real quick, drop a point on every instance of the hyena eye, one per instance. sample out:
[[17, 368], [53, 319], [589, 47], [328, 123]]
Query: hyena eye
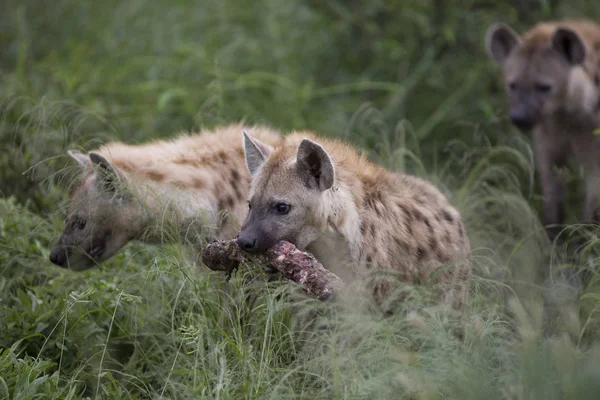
[[249, 206], [282, 208], [542, 87], [78, 223]]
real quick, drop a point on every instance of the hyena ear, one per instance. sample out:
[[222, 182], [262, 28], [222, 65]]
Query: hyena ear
[[256, 153], [569, 45], [314, 160], [109, 174], [500, 40], [81, 158]]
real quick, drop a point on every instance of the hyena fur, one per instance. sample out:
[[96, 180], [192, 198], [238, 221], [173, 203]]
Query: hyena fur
[[194, 186], [552, 76], [356, 217]]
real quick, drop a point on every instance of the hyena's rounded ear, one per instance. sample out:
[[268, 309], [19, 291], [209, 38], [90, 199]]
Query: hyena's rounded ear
[[500, 41], [255, 152], [81, 158], [314, 162], [569, 45], [109, 174]]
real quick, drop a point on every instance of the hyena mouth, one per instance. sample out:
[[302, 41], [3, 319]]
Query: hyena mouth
[[96, 252]]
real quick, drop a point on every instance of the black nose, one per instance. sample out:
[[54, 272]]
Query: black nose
[[522, 122], [247, 244], [57, 257]]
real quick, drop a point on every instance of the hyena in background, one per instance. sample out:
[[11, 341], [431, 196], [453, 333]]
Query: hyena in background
[[552, 77], [197, 183], [319, 195]]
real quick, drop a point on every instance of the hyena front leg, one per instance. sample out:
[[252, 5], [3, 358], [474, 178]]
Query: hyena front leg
[[550, 155]]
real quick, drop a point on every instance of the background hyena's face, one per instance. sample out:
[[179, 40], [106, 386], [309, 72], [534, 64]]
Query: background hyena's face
[[536, 72], [286, 195], [99, 221]]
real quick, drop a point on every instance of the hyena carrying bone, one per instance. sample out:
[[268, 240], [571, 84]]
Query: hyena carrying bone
[[552, 78], [319, 193], [197, 184]]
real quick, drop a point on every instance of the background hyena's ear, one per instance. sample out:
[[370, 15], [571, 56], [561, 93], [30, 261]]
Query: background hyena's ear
[[569, 45], [314, 160], [109, 174], [81, 158], [500, 40], [256, 153]]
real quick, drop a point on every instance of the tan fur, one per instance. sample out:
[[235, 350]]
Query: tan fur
[[566, 117], [198, 183], [382, 220]]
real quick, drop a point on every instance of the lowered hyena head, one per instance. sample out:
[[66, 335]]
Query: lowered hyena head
[[102, 216], [287, 190], [547, 70]]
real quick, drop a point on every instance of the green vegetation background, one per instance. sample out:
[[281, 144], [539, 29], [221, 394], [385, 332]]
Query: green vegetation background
[[406, 81]]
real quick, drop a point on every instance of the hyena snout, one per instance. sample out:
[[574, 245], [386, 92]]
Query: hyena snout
[[523, 120], [58, 256], [254, 241], [248, 241]]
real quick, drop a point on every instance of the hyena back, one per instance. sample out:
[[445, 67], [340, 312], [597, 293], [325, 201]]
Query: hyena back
[[318, 193], [552, 77], [196, 185]]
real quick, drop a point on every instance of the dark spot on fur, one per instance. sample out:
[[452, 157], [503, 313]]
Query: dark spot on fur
[[226, 202], [155, 176], [420, 253], [198, 183], [363, 227], [426, 221], [402, 247], [182, 161], [433, 243], [372, 230], [461, 230], [448, 237], [447, 216], [230, 201], [378, 211], [406, 211], [369, 261], [408, 226], [235, 175], [419, 215]]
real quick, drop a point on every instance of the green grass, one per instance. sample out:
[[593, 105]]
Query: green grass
[[406, 82]]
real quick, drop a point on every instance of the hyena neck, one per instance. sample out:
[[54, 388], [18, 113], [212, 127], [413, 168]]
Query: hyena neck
[[169, 214], [339, 214], [562, 123]]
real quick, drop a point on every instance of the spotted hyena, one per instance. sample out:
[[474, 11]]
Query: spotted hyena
[[194, 186], [353, 215], [552, 77]]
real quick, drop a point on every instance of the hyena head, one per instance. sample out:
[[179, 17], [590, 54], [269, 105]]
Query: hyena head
[[101, 216], [287, 188], [536, 69]]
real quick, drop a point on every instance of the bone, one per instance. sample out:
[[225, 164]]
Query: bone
[[297, 266]]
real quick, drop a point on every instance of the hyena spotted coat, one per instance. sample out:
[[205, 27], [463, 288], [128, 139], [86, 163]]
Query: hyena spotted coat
[[196, 185], [353, 215], [552, 77]]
